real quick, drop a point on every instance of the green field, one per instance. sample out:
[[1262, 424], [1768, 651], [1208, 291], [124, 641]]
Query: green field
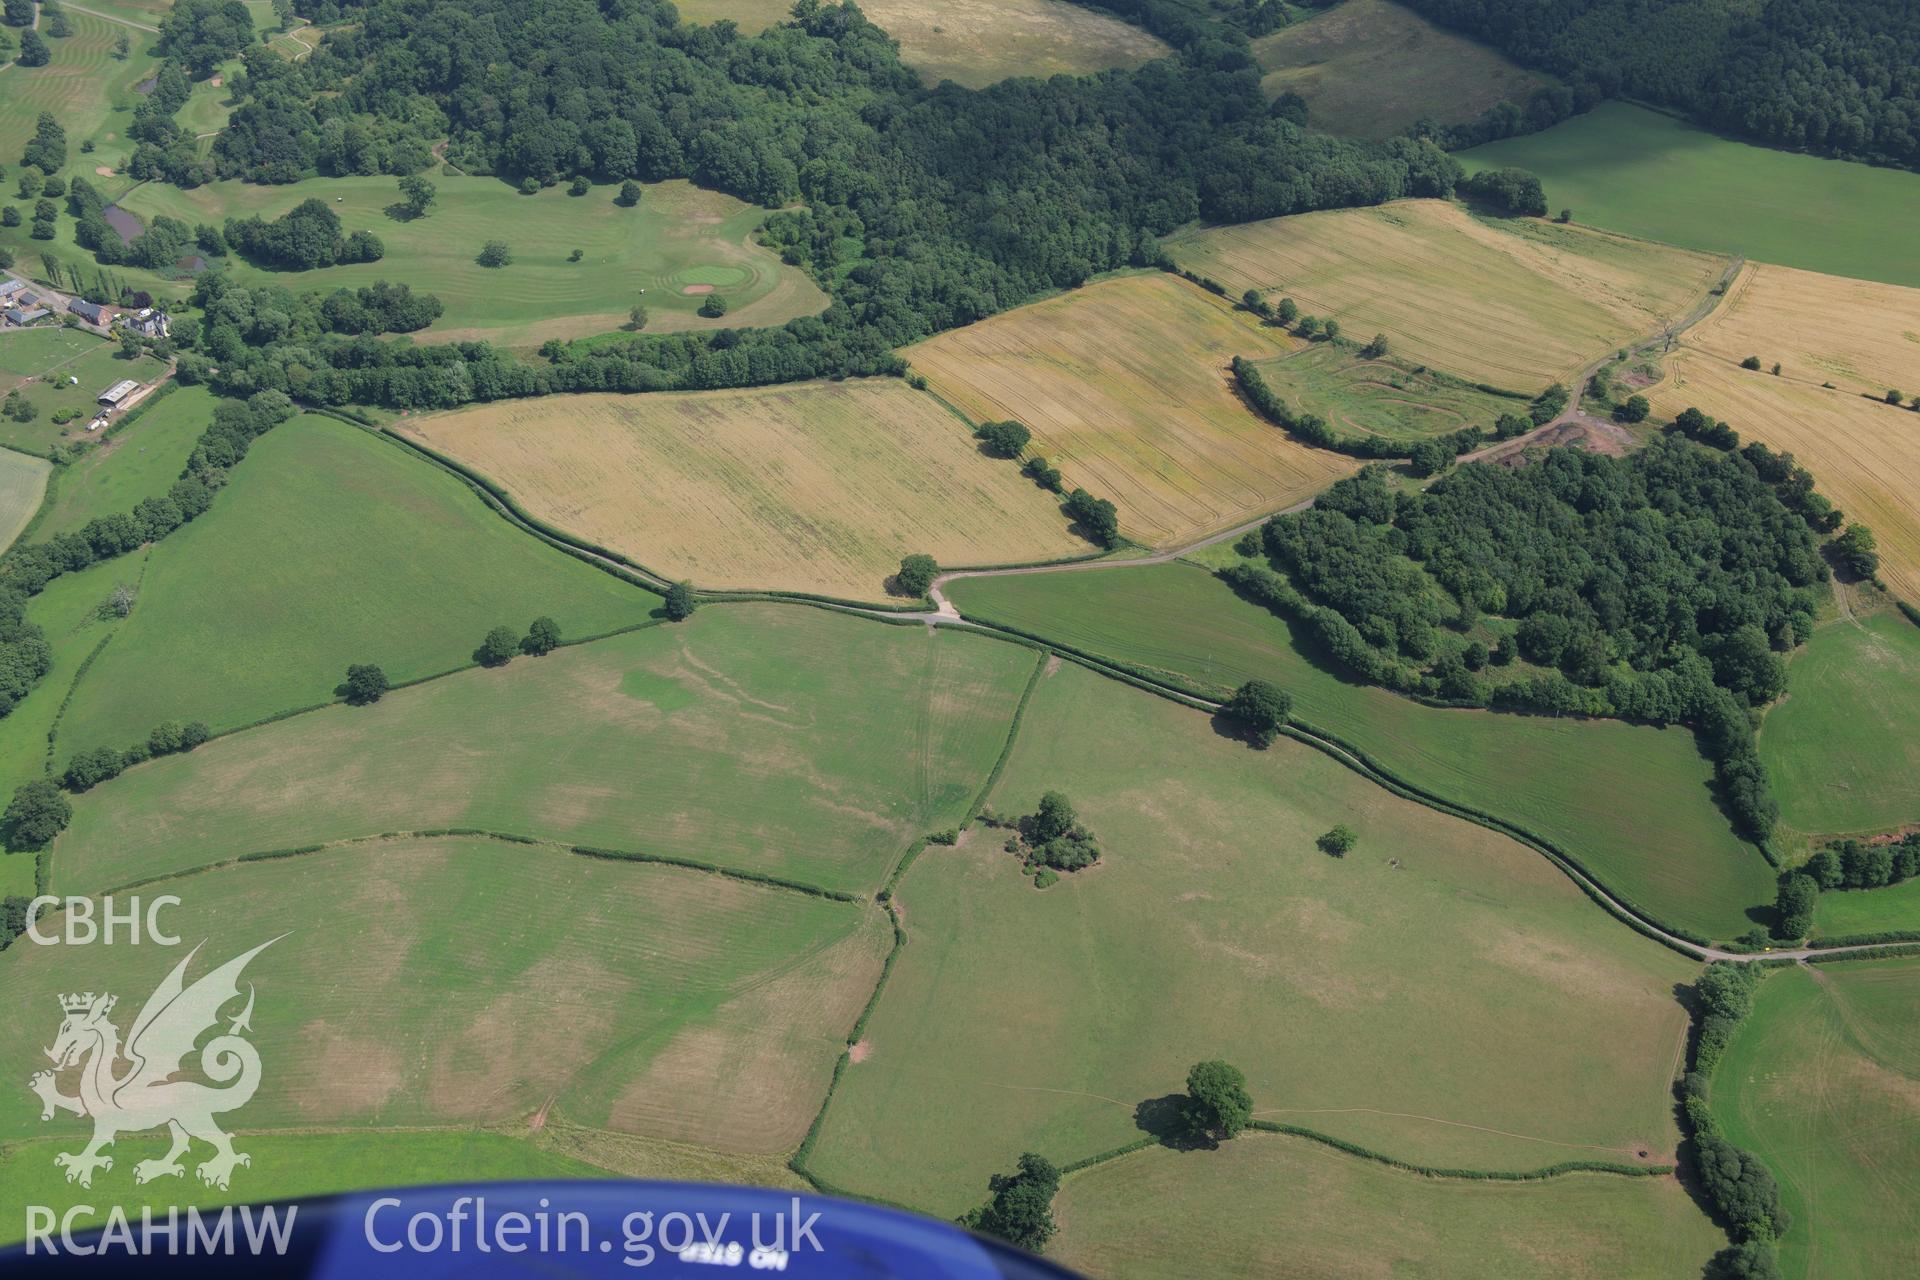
[[23, 482], [1378, 397], [1822, 1082], [1847, 913], [329, 546], [678, 237], [1631, 803], [1214, 927], [1842, 747], [50, 355], [1632, 170], [87, 89], [788, 741], [143, 461], [473, 982], [1264, 1205]]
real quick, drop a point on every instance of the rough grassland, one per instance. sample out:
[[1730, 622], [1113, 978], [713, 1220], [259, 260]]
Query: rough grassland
[[974, 42], [51, 356], [474, 982], [1822, 1082], [1378, 397], [791, 742], [1636, 171], [1126, 387], [141, 462], [1264, 1205], [1372, 69], [678, 232], [1841, 748], [1633, 804], [328, 547], [1214, 927], [23, 482], [820, 487], [1864, 455], [1516, 303]]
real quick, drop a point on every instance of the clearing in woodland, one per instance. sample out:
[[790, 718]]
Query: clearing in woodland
[[818, 487], [785, 741], [1380, 397], [1162, 1214], [1125, 384], [1670, 851], [465, 981], [1822, 1083], [1213, 927], [974, 42], [1374, 69], [1517, 303]]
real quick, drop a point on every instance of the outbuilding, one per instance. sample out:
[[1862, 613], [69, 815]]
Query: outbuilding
[[119, 391], [91, 312]]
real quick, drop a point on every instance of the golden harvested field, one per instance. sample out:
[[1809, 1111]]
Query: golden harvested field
[[1859, 335], [1517, 303], [817, 487], [1125, 384]]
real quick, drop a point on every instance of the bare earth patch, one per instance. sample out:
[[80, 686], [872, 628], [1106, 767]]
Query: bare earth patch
[[694, 290]]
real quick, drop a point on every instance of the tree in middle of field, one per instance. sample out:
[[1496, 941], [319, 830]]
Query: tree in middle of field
[[1218, 1104], [1051, 839]]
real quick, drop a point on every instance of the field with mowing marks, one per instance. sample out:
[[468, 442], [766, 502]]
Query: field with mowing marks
[[1633, 804], [1841, 748], [1126, 387], [1168, 1215], [328, 547], [791, 742], [88, 90], [1379, 397], [50, 356], [23, 482], [141, 462], [1645, 174], [1214, 927], [1864, 455], [475, 982], [1516, 303], [679, 235], [974, 42], [1372, 69], [818, 487], [1822, 1082]]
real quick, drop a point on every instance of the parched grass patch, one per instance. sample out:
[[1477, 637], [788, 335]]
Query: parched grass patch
[[140, 462], [475, 982], [327, 547], [1126, 387], [975, 42], [1373, 69], [788, 742], [1379, 397], [1516, 303], [1822, 1082], [1634, 804], [23, 482], [1413, 996], [630, 255], [818, 487], [1842, 748], [1265, 1204], [1636, 171]]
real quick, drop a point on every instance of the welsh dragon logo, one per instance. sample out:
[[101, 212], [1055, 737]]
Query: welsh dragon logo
[[145, 1095]]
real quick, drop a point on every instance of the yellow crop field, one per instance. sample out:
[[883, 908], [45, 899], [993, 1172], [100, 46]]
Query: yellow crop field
[[1859, 335], [1125, 384], [817, 487], [1516, 303]]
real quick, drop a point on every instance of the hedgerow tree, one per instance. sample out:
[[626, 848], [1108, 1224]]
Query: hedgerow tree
[[680, 603], [1857, 552], [1748, 1260], [1217, 1104], [36, 814], [542, 638], [917, 573], [1262, 707], [1793, 907], [1098, 518], [1741, 1188], [365, 684], [1021, 1210], [498, 648], [1003, 439]]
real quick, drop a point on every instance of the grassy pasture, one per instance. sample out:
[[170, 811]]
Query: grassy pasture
[[1378, 397], [1852, 912], [329, 547], [88, 90], [1126, 388], [974, 42], [1645, 174], [1213, 927], [470, 982], [49, 356], [1822, 1082], [819, 487], [1372, 69], [787, 741], [678, 232], [1841, 748], [1516, 303], [1634, 804], [141, 462], [23, 482], [1168, 1215]]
